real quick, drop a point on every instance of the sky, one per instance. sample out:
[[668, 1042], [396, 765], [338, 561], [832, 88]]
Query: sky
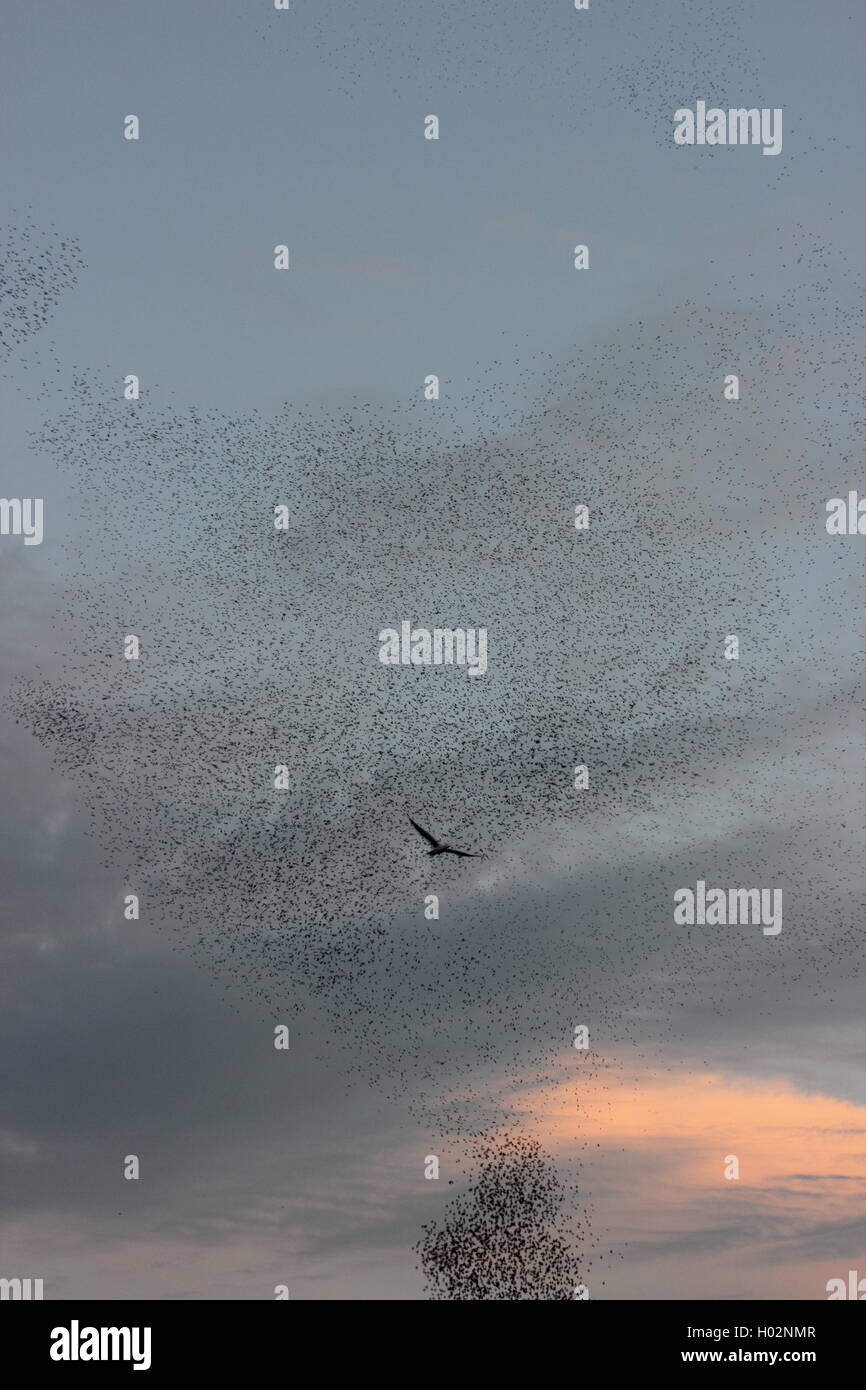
[[413, 1037]]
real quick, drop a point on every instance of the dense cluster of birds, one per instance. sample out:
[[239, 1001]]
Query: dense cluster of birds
[[511, 1234]]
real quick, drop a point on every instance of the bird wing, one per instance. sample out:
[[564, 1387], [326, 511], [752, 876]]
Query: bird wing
[[465, 854], [431, 840]]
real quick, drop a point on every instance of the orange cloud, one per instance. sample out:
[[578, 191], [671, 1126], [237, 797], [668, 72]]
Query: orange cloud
[[698, 1119]]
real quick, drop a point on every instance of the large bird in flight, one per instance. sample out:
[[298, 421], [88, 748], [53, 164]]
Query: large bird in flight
[[439, 846]]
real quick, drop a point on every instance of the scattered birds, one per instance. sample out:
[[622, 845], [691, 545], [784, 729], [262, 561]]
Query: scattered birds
[[259, 649], [37, 267]]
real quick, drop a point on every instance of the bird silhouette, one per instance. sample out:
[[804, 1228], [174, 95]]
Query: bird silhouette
[[439, 846]]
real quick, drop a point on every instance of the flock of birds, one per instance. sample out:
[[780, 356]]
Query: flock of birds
[[510, 1235], [38, 266], [258, 650]]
